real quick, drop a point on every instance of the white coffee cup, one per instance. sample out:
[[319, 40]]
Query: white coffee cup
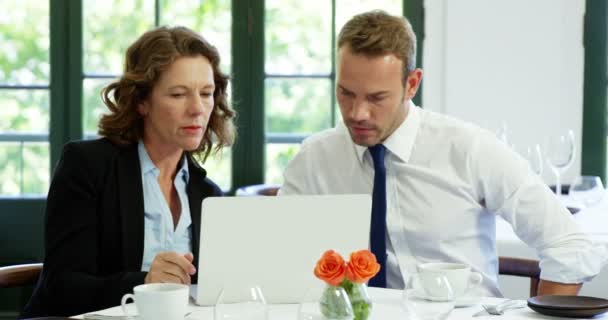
[[459, 275], [158, 301]]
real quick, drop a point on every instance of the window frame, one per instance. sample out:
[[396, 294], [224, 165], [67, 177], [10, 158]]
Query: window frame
[[253, 138], [248, 155]]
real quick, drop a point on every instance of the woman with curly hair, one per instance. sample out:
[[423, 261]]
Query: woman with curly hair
[[125, 209]]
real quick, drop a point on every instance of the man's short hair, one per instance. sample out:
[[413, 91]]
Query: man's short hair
[[375, 33]]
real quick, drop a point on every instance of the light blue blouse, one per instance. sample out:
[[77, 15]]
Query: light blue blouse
[[159, 234]]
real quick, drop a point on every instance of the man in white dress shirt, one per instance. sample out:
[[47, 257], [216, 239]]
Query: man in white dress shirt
[[446, 180]]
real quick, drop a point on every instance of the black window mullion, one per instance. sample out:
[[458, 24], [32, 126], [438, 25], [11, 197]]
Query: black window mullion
[[333, 46], [75, 71], [101, 76], [414, 11], [24, 87], [66, 74], [157, 13], [595, 115], [248, 156], [287, 138], [298, 76]]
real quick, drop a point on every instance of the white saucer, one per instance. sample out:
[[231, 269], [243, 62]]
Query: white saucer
[[464, 301]]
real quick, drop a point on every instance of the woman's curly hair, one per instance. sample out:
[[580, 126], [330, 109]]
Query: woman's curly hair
[[146, 59]]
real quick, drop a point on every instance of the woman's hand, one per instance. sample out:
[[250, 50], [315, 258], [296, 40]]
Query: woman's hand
[[171, 267]]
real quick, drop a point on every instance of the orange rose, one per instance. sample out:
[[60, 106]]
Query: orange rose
[[362, 266], [330, 268]]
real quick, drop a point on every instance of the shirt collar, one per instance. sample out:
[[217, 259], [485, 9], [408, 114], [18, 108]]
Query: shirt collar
[[401, 141], [184, 171], [148, 166]]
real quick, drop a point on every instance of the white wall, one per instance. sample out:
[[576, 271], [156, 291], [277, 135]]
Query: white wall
[[518, 62]]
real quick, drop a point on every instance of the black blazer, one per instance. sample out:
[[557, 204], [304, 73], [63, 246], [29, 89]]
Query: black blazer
[[94, 228]]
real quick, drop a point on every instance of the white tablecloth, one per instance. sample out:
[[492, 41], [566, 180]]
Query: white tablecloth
[[593, 220], [387, 305]]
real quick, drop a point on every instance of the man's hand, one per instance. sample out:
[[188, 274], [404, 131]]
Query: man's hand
[[546, 287], [171, 267]]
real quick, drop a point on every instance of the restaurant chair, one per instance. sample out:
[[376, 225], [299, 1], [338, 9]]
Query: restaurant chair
[[258, 190], [521, 268], [17, 281], [19, 275]]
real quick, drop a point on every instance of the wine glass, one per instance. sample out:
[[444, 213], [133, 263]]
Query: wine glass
[[587, 190], [560, 155], [535, 158], [330, 302], [423, 306], [503, 134], [241, 303]]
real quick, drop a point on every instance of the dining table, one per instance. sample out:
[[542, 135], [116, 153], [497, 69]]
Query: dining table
[[592, 219], [390, 304], [387, 304]]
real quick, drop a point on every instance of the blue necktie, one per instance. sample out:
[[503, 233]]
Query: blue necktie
[[378, 225]]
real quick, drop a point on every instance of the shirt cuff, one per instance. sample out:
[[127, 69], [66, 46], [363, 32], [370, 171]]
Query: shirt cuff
[[573, 264]]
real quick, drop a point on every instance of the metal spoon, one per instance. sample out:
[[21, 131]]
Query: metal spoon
[[499, 309]]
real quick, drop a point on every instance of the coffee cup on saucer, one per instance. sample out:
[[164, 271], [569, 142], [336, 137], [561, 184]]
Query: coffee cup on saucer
[[459, 276], [159, 301]]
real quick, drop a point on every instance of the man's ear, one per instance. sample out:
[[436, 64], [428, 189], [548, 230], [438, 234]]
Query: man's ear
[[412, 83]]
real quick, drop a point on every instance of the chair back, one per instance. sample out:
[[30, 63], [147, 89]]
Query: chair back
[[521, 268], [19, 275], [258, 190]]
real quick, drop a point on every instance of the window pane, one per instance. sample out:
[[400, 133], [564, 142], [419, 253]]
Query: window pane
[[212, 18], [10, 168], [345, 9], [24, 115], [338, 119], [36, 168], [93, 106], [24, 111], [218, 167], [109, 27], [24, 42], [298, 105], [24, 168], [277, 158], [298, 37]]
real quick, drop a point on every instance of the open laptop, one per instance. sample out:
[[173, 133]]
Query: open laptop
[[275, 242]]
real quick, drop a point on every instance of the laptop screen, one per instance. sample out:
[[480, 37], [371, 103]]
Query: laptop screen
[[274, 242]]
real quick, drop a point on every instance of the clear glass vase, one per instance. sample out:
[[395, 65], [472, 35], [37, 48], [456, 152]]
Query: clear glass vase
[[334, 304], [357, 295], [359, 299]]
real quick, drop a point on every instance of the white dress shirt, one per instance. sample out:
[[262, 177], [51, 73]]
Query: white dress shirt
[[159, 234], [446, 182]]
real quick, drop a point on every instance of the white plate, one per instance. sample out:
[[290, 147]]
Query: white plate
[[464, 301]]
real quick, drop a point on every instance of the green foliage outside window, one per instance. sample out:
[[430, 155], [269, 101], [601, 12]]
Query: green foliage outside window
[[298, 42], [24, 115]]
